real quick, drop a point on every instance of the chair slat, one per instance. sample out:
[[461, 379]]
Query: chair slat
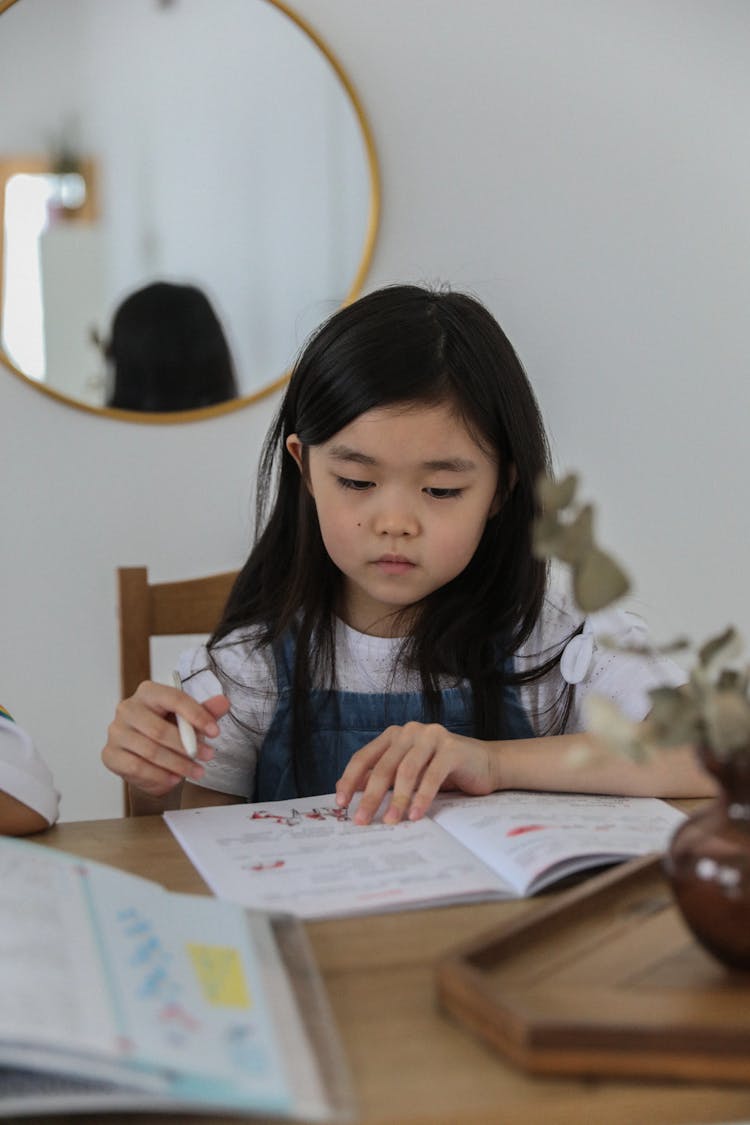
[[161, 609]]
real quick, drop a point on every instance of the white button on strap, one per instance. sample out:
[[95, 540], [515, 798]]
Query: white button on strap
[[576, 659]]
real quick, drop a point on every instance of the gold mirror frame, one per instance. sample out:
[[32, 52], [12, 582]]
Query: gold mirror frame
[[373, 218]]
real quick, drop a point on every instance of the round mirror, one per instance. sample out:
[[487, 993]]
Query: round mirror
[[209, 144]]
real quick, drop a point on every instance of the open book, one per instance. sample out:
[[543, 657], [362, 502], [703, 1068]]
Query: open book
[[119, 995], [307, 857]]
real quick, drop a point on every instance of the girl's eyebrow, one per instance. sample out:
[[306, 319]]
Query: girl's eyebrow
[[344, 453], [447, 464], [451, 465]]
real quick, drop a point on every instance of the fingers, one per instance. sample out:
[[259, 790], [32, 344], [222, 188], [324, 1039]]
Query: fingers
[[400, 768], [413, 760], [218, 705], [139, 772], [164, 700], [143, 744], [359, 766]]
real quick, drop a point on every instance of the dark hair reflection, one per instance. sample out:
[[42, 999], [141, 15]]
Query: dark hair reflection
[[168, 351]]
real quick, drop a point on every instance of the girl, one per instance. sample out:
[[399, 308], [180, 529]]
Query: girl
[[392, 629]]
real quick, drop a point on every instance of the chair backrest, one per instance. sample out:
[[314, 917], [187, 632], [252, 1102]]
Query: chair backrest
[[162, 609]]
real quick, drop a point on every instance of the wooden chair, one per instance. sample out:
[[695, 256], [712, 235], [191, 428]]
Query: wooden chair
[[161, 609]]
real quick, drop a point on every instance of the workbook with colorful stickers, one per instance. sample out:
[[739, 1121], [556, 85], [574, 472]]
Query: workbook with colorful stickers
[[116, 994]]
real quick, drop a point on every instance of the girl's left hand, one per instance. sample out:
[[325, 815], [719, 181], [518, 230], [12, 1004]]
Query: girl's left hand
[[415, 760]]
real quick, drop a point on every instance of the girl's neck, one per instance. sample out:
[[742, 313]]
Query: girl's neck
[[376, 634], [394, 625]]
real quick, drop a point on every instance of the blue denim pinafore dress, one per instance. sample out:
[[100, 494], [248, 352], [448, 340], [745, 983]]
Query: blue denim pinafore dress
[[345, 721]]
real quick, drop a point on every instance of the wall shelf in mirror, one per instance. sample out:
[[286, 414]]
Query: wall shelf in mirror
[[219, 145]]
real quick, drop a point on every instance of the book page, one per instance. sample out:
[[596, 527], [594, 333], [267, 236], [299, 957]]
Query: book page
[[307, 857], [51, 977], [532, 839], [190, 994]]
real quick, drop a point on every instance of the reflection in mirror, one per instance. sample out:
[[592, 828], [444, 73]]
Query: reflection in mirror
[[167, 351], [209, 143]]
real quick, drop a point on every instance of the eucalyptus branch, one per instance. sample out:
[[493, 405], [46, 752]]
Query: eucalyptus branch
[[711, 709], [565, 531]]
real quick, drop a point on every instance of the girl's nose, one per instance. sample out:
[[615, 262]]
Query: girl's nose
[[396, 521]]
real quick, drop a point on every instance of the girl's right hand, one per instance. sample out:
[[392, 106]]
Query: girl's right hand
[[143, 743]]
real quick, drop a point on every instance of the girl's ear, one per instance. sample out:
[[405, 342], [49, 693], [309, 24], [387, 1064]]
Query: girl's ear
[[501, 497], [294, 446], [297, 450]]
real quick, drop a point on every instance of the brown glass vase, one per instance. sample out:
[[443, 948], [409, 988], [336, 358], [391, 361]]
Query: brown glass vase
[[708, 863]]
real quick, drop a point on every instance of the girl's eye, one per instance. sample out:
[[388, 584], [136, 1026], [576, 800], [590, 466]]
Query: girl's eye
[[356, 485], [444, 493]]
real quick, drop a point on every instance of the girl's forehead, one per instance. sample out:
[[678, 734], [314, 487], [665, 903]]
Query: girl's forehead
[[427, 429]]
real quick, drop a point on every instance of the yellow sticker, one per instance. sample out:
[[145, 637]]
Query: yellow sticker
[[220, 975]]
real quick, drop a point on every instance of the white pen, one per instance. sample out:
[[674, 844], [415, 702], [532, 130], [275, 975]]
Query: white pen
[[187, 734]]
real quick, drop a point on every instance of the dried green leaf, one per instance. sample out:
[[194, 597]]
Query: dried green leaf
[[734, 679], [700, 685], [546, 535], [615, 731], [554, 495], [577, 537], [727, 721], [569, 542], [679, 644], [674, 718], [719, 650], [598, 581]]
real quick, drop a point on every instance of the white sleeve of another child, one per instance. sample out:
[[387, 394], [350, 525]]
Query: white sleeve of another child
[[246, 675], [23, 773]]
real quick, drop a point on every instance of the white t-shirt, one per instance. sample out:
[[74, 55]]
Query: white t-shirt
[[247, 676], [23, 774]]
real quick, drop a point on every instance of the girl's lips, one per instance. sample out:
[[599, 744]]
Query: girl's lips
[[394, 564]]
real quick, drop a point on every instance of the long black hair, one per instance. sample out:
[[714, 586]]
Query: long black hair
[[168, 351], [407, 345]]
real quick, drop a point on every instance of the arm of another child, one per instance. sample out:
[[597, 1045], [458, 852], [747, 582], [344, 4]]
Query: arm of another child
[[29, 801], [17, 819]]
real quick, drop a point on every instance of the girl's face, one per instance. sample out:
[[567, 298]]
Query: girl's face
[[402, 495]]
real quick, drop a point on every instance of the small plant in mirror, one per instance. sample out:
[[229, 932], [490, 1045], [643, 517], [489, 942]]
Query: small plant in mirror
[[711, 710]]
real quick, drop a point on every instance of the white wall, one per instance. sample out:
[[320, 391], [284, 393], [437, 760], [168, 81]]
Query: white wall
[[583, 167]]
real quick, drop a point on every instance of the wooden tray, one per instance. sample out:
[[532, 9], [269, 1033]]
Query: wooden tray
[[606, 980]]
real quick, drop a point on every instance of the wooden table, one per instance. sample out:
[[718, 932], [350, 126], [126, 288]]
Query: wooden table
[[411, 1064]]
